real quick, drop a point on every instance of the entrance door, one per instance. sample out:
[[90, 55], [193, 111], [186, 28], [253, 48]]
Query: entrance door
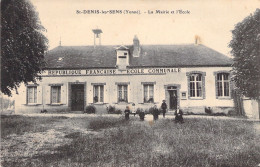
[[173, 99], [77, 97]]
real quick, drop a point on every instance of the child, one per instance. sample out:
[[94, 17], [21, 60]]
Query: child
[[141, 115], [164, 108], [133, 109], [127, 113], [156, 113]]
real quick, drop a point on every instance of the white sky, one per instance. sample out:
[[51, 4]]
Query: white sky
[[211, 20]]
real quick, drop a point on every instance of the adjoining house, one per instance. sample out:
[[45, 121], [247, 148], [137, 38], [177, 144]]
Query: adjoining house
[[191, 77]]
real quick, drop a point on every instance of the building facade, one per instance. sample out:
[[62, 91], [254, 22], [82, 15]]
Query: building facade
[[190, 77]]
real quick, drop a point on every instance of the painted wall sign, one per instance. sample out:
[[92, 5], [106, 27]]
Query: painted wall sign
[[94, 72]]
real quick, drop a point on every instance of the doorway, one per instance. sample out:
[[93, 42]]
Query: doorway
[[173, 99], [172, 96], [77, 97]]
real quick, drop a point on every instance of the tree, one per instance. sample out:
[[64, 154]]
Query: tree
[[245, 46], [23, 44]]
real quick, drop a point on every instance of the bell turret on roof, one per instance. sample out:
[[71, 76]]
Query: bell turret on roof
[[97, 34]]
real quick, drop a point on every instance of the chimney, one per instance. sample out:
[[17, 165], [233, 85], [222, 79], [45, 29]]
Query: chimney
[[137, 48], [197, 40]]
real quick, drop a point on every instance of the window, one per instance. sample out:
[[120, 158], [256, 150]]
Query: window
[[196, 85], [122, 93], [55, 94], [98, 96], [222, 85], [148, 93], [32, 94]]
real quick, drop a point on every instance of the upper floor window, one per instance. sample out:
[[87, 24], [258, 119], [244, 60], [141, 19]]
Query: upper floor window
[[98, 93], [196, 84], [148, 93], [32, 94], [122, 93], [223, 85], [55, 94]]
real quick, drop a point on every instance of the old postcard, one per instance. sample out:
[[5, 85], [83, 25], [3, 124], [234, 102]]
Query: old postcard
[[126, 83]]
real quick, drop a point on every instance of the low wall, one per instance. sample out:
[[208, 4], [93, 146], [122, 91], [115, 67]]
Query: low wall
[[212, 110], [251, 108]]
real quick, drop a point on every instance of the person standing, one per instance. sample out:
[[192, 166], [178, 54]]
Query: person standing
[[155, 113], [142, 115], [164, 108], [127, 113], [133, 109]]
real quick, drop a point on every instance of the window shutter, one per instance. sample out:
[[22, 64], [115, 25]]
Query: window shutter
[[23, 94], [63, 94], [139, 93], [129, 94], [155, 94], [231, 88], [216, 85], [106, 98], [91, 97], [39, 94], [112, 93], [48, 95], [203, 86], [188, 81]]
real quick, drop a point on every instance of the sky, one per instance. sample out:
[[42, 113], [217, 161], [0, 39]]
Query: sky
[[211, 20]]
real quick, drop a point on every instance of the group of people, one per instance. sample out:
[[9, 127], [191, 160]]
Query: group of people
[[155, 112]]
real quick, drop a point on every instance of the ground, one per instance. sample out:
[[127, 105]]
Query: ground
[[109, 140]]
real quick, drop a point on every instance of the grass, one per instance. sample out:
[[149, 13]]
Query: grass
[[98, 123], [16, 124], [197, 142]]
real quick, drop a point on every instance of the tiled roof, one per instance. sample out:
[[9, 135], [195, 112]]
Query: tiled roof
[[150, 56]]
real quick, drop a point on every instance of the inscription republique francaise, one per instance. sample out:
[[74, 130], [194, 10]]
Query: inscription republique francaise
[[111, 71]]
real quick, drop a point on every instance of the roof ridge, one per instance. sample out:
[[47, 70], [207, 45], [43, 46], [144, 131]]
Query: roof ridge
[[159, 55]]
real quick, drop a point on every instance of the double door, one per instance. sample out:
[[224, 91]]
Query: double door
[[77, 97]]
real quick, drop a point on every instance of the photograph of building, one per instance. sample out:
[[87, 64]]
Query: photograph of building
[[190, 77], [140, 83]]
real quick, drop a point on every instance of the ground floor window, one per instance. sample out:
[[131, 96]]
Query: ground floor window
[[31, 94], [98, 94], [196, 85], [223, 85], [148, 93], [122, 93], [55, 94]]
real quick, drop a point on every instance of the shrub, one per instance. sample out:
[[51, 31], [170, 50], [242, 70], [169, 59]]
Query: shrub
[[138, 110], [146, 111], [113, 110], [219, 114], [118, 111], [208, 110], [151, 110], [189, 113], [232, 113], [90, 109]]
